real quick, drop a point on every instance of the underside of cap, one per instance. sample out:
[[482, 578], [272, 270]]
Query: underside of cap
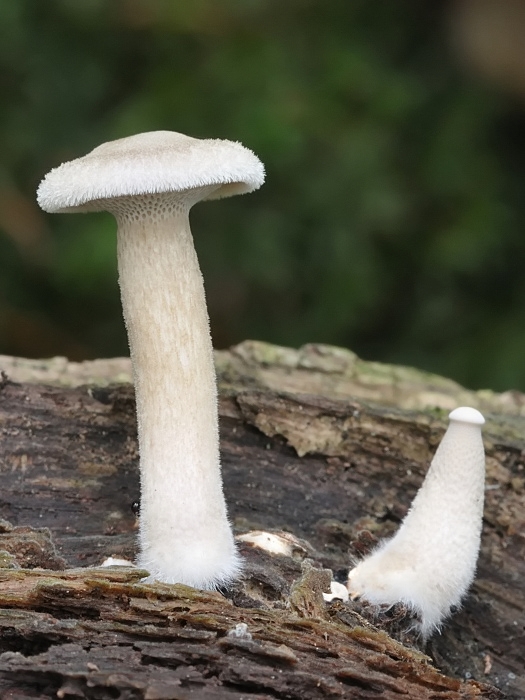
[[151, 163]]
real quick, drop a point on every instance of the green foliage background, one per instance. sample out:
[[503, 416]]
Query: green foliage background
[[391, 221]]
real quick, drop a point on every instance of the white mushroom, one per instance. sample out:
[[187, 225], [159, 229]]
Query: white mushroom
[[149, 182], [431, 561]]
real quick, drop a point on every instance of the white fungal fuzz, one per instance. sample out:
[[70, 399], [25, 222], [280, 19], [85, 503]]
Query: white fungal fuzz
[[240, 631], [268, 541], [431, 561], [337, 592], [117, 561]]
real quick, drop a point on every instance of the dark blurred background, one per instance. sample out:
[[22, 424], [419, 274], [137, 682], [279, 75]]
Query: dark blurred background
[[393, 135]]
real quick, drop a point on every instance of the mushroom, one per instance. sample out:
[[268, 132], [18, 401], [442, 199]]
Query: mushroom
[[149, 182], [431, 561]]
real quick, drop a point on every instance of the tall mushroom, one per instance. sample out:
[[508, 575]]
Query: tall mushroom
[[430, 562], [149, 182]]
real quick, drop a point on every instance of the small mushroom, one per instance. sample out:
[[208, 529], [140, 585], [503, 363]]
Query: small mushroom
[[430, 562], [149, 182]]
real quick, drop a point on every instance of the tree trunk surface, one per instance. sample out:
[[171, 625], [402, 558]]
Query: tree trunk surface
[[317, 447]]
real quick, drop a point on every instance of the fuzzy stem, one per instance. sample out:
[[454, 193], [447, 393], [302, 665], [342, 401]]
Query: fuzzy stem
[[447, 511], [431, 561], [185, 536]]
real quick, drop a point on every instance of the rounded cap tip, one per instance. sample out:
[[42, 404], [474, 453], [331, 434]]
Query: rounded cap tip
[[464, 414]]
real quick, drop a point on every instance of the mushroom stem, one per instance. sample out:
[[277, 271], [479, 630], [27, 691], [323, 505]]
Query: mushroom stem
[[431, 561], [184, 536]]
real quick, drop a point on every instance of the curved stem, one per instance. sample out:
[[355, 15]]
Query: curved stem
[[431, 561]]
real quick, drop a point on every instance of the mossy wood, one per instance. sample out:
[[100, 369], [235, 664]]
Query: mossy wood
[[316, 443]]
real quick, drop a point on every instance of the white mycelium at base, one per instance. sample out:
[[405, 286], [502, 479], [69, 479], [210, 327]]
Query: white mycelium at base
[[431, 561]]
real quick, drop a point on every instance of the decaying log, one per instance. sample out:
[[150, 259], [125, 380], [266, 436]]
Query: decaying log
[[315, 443]]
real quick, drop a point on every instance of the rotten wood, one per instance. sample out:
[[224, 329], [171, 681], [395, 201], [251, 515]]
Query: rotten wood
[[315, 443]]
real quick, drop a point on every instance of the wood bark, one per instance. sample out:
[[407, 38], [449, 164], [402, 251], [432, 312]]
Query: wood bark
[[317, 446]]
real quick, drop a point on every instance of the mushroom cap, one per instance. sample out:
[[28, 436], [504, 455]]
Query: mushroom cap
[[150, 163], [465, 414]]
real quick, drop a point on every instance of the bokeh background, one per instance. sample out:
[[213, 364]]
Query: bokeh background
[[393, 133]]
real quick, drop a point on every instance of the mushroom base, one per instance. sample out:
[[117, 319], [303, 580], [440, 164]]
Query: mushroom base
[[205, 564], [388, 578]]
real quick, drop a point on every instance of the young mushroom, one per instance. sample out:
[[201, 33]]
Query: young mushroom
[[149, 182], [431, 561]]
